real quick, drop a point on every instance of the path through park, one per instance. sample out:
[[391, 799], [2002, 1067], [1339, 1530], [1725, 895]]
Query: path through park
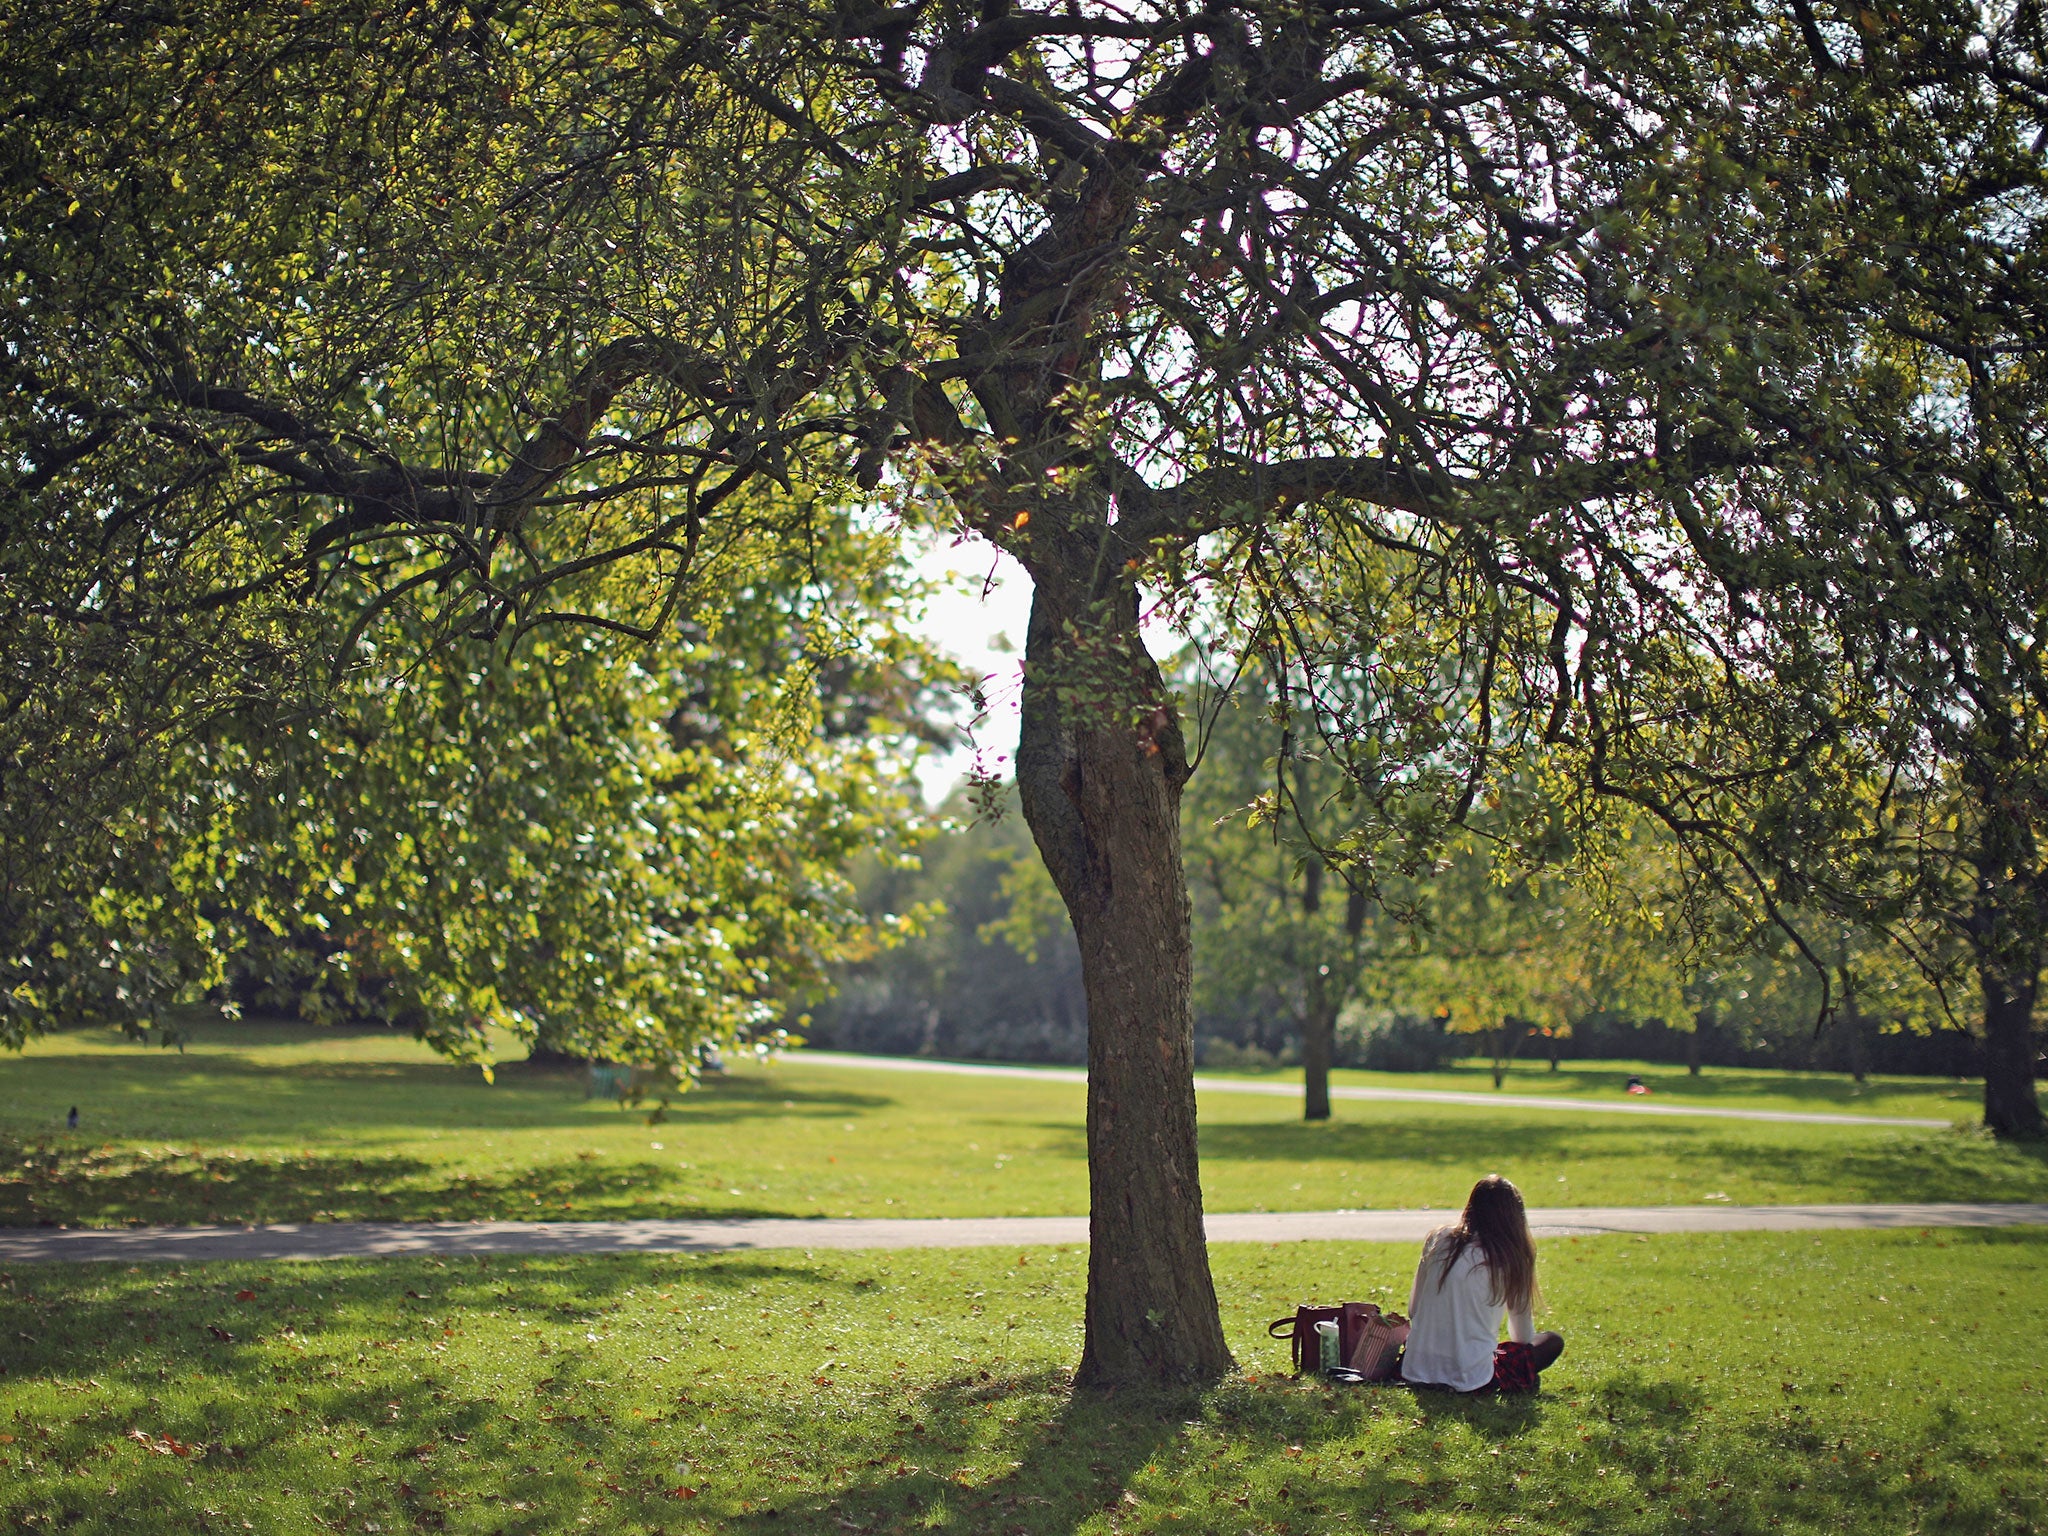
[[364, 1239]]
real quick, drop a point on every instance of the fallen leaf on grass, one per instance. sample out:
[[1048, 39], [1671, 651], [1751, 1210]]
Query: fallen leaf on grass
[[683, 1493], [220, 1333], [162, 1445], [245, 1295]]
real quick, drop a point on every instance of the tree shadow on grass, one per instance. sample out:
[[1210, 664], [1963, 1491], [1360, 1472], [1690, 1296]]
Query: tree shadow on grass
[[1816, 1090], [200, 1385], [1132, 1454], [1065, 1468], [223, 1095], [63, 1185], [723, 1100], [1934, 1165]]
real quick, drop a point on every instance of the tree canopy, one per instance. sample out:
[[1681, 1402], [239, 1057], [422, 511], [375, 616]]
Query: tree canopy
[[329, 654], [1502, 381]]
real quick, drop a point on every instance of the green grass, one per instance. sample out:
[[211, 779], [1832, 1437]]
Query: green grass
[[277, 1123], [1925, 1098], [1937, 1098], [1734, 1384]]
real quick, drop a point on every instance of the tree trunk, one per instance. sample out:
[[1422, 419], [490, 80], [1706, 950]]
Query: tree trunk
[[2011, 1107], [1318, 1046], [1514, 1034], [1318, 1013], [1692, 1051], [2005, 937], [1100, 765], [1856, 1031]]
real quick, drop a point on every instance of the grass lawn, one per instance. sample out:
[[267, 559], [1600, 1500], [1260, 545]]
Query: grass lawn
[[279, 1123], [1881, 1382], [1930, 1098]]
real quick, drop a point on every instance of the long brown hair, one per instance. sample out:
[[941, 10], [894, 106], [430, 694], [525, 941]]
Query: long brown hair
[[1495, 1219]]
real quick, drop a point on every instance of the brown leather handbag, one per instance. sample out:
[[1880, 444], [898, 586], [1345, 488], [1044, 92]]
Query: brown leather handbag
[[1368, 1340], [1301, 1334]]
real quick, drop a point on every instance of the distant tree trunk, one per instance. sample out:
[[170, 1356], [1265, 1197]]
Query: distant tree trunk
[[1556, 1042], [1692, 1050], [1318, 1047], [2011, 1107], [2005, 938], [1100, 765], [1508, 1041], [1856, 1031], [1319, 1011]]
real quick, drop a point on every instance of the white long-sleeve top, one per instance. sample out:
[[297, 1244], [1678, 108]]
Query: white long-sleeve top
[[1452, 1329]]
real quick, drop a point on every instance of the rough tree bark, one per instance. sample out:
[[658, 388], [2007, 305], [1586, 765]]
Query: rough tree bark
[[1319, 1008], [1318, 1046], [2011, 1107], [2005, 932], [1855, 1028], [1100, 767]]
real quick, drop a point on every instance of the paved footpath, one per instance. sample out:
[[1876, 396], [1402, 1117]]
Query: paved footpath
[[1394, 1095], [367, 1239]]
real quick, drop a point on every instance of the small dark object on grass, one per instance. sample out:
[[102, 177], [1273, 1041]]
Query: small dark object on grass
[[71, 1120]]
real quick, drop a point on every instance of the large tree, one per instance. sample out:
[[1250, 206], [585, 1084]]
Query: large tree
[[1275, 929], [1222, 307]]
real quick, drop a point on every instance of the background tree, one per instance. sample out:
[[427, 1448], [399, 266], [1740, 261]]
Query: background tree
[[1854, 723], [1512, 955], [606, 848], [1275, 931], [991, 969], [297, 569]]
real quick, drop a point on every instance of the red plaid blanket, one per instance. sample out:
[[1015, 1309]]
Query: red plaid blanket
[[1514, 1368]]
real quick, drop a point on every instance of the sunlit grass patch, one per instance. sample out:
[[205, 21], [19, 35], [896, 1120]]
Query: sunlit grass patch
[[1753, 1382], [285, 1123]]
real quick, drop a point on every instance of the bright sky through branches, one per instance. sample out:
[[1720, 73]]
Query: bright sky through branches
[[979, 612]]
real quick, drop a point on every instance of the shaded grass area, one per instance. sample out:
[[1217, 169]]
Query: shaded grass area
[[284, 1123], [1379, 1156], [1933, 1098], [1938, 1098], [1865, 1381]]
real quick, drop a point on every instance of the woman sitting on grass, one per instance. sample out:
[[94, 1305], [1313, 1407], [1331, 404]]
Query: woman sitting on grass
[[1470, 1273]]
